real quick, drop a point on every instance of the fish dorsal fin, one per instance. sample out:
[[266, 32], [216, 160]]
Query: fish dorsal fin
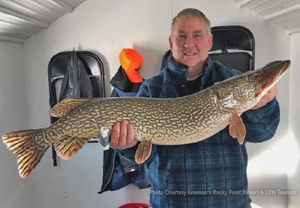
[[64, 107], [68, 146], [143, 151], [237, 128]]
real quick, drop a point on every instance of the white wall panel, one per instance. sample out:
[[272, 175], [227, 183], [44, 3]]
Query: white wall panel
[[13, 116], [294, 178]]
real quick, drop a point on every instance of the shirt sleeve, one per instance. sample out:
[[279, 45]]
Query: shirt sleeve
[[261, 124]]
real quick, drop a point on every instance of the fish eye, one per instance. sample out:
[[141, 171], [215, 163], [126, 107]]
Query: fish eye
[[251, 78]]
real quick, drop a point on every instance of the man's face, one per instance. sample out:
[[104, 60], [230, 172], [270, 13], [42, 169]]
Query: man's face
[[190, 41]]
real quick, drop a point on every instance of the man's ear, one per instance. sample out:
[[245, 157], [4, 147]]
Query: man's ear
[[171, 42], [210, 41]]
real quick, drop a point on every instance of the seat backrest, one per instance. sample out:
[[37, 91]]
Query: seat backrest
[[241, 61], [234, 47], [57, 68], [61, 71]]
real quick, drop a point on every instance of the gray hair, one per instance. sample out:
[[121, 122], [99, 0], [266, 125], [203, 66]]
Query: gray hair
[[192, 12]]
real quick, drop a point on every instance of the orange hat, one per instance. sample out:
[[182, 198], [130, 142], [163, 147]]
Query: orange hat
[[132, 62]]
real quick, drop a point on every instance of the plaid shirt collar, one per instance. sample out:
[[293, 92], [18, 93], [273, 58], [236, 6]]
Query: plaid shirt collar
[[181, 70]]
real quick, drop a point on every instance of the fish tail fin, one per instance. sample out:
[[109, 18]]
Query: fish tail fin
[[23, 143]]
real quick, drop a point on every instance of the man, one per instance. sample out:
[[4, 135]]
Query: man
[[207, 173]]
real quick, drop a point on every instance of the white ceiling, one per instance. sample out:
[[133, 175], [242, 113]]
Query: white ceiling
[[284, 13], [19, 19]]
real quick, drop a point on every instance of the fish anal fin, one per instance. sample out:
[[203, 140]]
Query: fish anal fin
[[237, 128], [143, 151], [23, 143], [64, 107], [67, 146]]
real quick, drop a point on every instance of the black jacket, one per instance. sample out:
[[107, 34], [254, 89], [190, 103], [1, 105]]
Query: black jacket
[[118, 171]]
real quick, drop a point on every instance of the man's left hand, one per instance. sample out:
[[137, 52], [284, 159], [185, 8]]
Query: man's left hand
[[268, 97]]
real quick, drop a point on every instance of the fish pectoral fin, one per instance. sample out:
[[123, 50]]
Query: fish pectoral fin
[[143, 151], [237, 128], [64, 107], [68, 146]]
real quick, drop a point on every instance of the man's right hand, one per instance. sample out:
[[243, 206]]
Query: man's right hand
[[122, 135]]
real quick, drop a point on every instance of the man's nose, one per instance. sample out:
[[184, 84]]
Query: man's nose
[[189, 42]]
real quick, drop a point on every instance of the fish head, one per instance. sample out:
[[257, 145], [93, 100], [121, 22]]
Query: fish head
[[243, 92]]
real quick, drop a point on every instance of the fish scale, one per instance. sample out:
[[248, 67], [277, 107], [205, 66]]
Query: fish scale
[[161, 121]]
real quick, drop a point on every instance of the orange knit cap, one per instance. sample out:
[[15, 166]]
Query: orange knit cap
[[131, 62]]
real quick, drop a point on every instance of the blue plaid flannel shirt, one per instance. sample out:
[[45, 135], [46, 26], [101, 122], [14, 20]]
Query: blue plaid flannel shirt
[[210, 173]]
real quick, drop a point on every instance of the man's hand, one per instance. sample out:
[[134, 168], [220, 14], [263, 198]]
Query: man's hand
[[122, 135], [268, 97]]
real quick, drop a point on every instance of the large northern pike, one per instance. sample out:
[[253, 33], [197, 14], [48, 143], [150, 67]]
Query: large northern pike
[[161, 121]]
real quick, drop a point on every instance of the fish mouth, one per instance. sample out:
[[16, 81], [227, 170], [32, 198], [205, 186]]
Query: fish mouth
[[270, 74], [278, 67]]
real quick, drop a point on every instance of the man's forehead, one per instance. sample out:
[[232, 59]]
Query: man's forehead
[[194, 24]]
